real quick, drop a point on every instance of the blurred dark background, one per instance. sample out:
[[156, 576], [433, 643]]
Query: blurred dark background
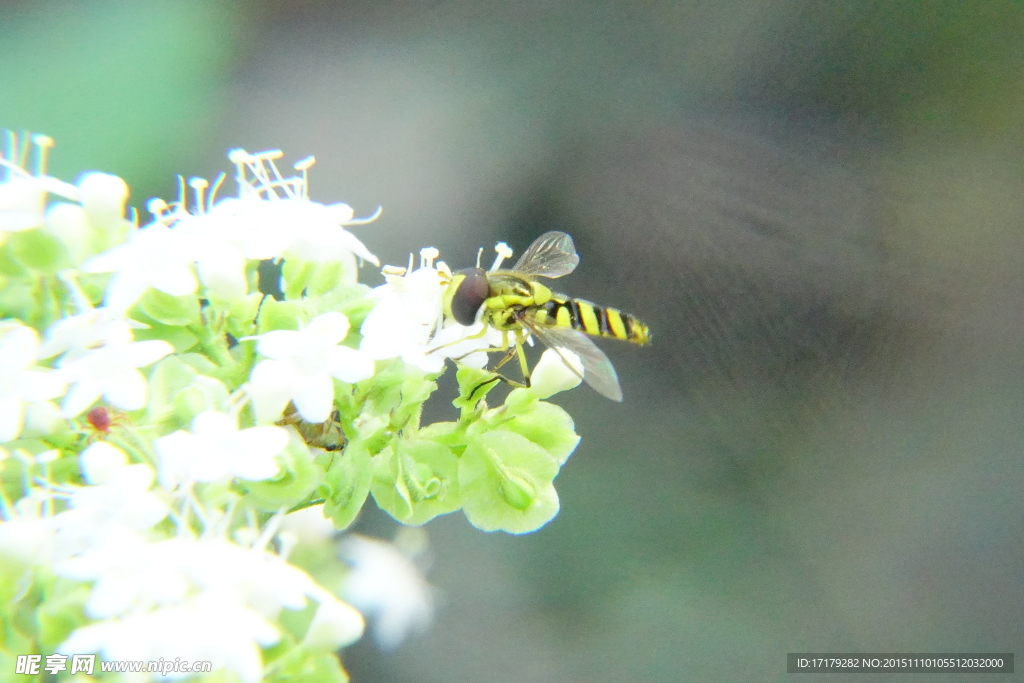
[[817, 207]]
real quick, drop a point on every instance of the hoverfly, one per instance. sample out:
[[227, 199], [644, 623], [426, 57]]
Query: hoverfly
[[515, 303]]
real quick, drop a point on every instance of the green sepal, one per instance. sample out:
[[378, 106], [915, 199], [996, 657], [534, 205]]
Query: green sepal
[[39, 250], [472, 387], [179, 337], [450, 434], [280, 315], [299, 663], [295, 277], [416, 481], [397, 390], [350, 300], [10, 266], [347, 482], [61, 612], [17, 299], [325, 278], [299, 477], [546, 425], [506, 483], [242, 315], [168, 309], [202, 394], [168, 378]]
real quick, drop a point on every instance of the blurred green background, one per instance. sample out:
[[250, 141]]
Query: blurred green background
[[816, 206]]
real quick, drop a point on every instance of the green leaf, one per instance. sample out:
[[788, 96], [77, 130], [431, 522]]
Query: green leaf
[[301, 476], [326, 276], [202, 394], [241, 320], [61, 612], [347, 482], [170, 310], [168, 378], [548, 426], [280, 315], [179, 337], [416, 481], [506, 483], [302, 664], [39, 250], [295, 277]]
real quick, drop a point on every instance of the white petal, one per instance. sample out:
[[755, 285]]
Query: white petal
[[335, 625], [314, 398], [278, 344], [551, 375], [103, 197], [124, 290], [262, 441], [12, 419], [222, 270], [82, 395], [143, 353], [330, 327], [270, 387], [350, 365], [212, 423], [176, 279], [127, 390], [41, 385], [100, 461]]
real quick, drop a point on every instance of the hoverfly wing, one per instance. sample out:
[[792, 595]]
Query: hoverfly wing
[[551, 255], [598, 371]]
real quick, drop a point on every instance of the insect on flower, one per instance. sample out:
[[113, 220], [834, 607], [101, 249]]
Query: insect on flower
[[102, 420], [328, 435], [519, 306]]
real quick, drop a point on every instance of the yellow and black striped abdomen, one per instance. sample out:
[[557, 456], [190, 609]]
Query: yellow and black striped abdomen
[[598, 321]]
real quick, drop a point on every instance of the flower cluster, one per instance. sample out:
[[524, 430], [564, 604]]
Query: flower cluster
[[176, 445]]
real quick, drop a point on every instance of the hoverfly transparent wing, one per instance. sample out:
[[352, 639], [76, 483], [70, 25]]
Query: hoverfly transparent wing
[[598, 371], [551, 255]]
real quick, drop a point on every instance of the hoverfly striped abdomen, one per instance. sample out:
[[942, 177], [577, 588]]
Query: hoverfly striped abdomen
[[587, 317]]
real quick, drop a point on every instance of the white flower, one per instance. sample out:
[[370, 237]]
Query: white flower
[[212, 626], [388, 588], [100, 462], [80, 334], [29, 537], [103, 197], [197, 599], [154, 256], [121, 498], [551, 375], [308, 525], [300, 367], [216, 450], [407, 321], [23, 193], [21, 381], [22, 202], [335, 625], [129, 575], [111, 371], [314, 231]]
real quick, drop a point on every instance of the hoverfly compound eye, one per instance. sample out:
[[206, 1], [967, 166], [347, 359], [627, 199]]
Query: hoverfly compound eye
[[470, 295]]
